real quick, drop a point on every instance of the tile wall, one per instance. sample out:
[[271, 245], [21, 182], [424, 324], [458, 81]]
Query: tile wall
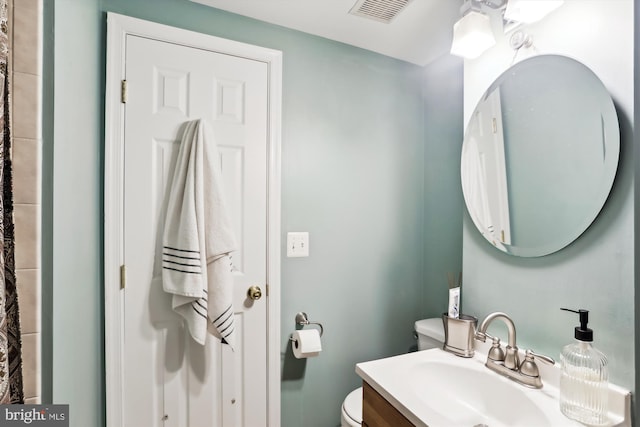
[[26, 77]]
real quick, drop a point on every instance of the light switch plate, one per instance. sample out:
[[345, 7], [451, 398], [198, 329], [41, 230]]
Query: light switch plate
[[297, 244]]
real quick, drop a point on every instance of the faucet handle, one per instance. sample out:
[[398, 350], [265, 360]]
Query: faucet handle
[[481, 336], [541, 357], [529, 367], [495, 352]]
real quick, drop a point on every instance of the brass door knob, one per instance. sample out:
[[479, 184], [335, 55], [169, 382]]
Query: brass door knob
[[254, 292]]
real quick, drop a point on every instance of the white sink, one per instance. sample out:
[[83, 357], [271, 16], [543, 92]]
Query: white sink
[[465, 396], [435, 388]]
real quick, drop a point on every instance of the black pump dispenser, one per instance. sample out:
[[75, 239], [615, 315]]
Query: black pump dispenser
[[582, 333], [585, 377]]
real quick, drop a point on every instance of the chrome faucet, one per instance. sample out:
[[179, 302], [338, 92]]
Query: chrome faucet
[[507, 362]]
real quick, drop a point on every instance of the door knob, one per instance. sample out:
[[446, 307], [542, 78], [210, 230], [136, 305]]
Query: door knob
[[254, 292]]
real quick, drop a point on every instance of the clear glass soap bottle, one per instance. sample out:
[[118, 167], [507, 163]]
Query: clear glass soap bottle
[[584, 381]]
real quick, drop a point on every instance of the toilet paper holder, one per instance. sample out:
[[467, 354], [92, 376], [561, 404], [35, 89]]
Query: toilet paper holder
[[303, 320]]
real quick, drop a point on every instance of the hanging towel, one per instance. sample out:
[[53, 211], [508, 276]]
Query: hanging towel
[[198, 239]]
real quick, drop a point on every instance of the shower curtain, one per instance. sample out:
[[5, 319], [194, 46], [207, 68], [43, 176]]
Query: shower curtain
[[11, 390]]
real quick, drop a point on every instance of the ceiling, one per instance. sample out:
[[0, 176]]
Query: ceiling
[[419, 34]]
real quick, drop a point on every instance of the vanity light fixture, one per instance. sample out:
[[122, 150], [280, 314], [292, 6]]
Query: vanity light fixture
[[472, 35]]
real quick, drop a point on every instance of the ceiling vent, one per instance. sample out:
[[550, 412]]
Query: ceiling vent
[[379, 10]]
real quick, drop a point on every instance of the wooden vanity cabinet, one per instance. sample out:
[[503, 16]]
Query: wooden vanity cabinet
[[378, 412]]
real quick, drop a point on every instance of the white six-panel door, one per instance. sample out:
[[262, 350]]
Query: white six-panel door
[[168, 380]]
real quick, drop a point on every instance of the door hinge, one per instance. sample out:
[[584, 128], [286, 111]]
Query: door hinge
[[123, 91], [123, 276]]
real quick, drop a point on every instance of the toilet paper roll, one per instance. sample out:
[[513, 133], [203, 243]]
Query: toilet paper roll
[[306, 343]]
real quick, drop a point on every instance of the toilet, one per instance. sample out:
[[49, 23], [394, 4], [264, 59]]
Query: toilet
[[430, 333]]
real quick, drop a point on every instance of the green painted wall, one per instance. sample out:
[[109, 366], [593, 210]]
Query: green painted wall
[[353, 155], [75, 284], [443, 202]]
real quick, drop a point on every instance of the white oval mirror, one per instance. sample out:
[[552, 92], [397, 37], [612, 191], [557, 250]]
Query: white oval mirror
[[540, 155]]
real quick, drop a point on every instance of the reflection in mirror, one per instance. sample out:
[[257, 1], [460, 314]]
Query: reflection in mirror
[[539, 156]]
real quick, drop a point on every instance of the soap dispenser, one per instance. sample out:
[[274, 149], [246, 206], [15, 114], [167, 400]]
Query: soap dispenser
[[584, 381]]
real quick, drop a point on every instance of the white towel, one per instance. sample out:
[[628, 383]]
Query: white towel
[[198, 239]]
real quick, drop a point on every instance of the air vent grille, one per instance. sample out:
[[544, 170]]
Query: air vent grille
[[379, 10]]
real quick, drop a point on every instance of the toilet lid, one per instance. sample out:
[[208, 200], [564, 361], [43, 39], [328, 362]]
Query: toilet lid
[[353, 405]]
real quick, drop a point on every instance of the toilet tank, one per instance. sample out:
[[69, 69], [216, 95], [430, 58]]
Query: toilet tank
[[430, 333]]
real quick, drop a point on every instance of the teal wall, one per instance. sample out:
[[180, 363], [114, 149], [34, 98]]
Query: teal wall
[[595, 272], [354, 148], [443, 202], [75, 283]]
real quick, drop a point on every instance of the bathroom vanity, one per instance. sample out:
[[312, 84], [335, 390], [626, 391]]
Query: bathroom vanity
[[378, 412], [436, 388]]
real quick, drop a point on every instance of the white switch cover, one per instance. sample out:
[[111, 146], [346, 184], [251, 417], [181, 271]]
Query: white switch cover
[[297, 244]]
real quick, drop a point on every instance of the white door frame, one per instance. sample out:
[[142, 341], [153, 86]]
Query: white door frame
[[118, 28]]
